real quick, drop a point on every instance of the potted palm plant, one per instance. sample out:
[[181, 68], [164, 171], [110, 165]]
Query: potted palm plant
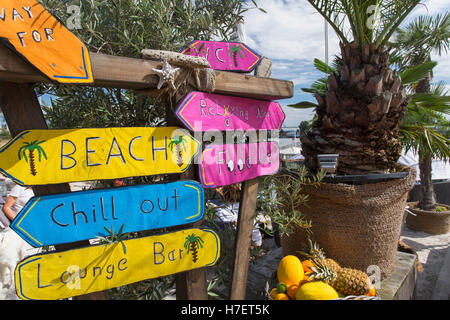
[[358, 117], [413, 46]]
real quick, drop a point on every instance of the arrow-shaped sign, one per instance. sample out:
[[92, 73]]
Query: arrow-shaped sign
[[41, 39], [201, 111], [38, 157], [227, 56], [228, 164], [71, 217], [65, 274]]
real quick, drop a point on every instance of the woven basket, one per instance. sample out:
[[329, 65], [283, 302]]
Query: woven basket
[[357, 225], [428, 221]]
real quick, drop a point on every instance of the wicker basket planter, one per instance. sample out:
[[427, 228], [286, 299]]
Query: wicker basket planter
[[357, 225], [433, 222]]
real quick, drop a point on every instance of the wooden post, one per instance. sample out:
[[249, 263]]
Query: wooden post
[[190, 285], [244, 231], [246, 218], [22, 111]]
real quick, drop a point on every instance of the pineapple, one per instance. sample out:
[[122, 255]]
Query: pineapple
[[315, 252], [346, 280]]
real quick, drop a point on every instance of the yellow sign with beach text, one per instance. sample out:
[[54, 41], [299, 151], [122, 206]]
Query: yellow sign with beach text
[[39, 157], [65, 274], [42, 40]]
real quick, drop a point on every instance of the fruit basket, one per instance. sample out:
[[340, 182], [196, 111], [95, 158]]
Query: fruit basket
[[272, 283], [318, 278]]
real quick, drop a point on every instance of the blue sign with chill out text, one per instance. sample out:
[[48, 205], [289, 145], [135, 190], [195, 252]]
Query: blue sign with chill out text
[[71, 217]]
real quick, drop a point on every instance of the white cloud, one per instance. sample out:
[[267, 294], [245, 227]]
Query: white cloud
[[290, 30]]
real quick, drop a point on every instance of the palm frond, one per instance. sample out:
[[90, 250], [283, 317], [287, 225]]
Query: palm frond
[[417, 73], [431, 101], [323, 67], [303, 105], [369, 21]]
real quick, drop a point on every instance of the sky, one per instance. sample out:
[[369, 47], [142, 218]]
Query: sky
[[291, 34]]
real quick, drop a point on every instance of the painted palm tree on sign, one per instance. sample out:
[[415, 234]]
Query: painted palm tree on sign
[[178, 142], [29, 148], [192, 244], [233, 51]]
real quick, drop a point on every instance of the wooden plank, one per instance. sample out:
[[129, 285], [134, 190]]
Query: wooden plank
[[129, 73], [22, 111], [96, 154], [130, 208], [54, 275], [244, 230], [45, 42]]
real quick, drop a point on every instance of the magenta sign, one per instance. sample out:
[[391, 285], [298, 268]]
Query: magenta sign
[[222, 165], [226, 56], [201, 111]]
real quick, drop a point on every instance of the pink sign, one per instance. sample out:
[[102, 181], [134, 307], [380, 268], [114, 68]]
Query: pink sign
[[227, 56], [227, 164], [201, 111]]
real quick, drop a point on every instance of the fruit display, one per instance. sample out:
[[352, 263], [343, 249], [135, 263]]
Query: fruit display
[[318, 278]]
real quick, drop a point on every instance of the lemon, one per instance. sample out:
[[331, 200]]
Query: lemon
[[290, 270], [316, 290]]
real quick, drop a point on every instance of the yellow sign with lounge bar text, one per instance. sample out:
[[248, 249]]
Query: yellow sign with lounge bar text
[[39, 157], [42, 40], [65, 274]]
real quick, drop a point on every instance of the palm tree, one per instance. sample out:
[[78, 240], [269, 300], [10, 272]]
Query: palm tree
[[359, 114], [193, 242], [413, 46], [178, 142], [30, 147], [233, 52], [426, 132]]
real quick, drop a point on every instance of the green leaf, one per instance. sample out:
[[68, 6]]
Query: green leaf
[[303, 105], [430, 101], [417, 73], [323, 67]]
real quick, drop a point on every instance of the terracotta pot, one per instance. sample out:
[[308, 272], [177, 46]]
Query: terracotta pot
[[434, 222]]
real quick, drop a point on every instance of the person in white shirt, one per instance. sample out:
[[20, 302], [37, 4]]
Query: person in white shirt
[[16, 200]]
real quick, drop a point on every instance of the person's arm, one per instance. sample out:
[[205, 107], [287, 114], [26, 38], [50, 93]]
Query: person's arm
[[7, 208]]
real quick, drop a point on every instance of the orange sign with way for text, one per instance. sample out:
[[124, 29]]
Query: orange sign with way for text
[[28, 28]]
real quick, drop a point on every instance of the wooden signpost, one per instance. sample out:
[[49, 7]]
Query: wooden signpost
[[201, 111], [29, 29], [223, 165], [37, 48], [80, 271], [227, 56], [71, 217], [39, 157]]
